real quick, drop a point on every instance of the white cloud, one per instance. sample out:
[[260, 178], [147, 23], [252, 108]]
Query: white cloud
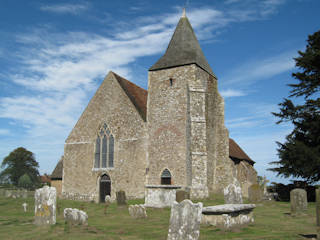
[[260, 69], [4, 131], [65, 8], [232, 93]]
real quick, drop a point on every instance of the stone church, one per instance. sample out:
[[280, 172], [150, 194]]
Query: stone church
[[150, 143]]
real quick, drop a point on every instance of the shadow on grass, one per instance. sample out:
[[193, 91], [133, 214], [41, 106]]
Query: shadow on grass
[[309, 235]]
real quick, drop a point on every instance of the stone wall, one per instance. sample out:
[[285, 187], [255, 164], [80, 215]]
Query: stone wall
[[112, 106], [247, 176], [167, 119], [58, 185]]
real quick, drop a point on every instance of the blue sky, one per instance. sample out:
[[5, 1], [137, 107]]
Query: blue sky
[[55, 54]]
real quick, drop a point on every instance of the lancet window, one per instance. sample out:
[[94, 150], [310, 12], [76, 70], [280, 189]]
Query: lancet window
[[104, 151]]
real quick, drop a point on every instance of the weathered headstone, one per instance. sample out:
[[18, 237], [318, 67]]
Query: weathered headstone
[[121, 198], [45, 205], [232, 194], [185, 219], [24, 205], [137, 211], [255, 193], [107, 203], [298, 201], [75, 216], [8, 193], [24, 194], [182, 195], [318, 212]]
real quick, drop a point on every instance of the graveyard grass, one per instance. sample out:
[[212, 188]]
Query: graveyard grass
[[272, 221]]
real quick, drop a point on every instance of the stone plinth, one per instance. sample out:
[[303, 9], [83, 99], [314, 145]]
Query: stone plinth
[[160, 196], [185, 219], [45, 206], [228, 216]]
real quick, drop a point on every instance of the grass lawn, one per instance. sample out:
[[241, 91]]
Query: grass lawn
[[272, 221]]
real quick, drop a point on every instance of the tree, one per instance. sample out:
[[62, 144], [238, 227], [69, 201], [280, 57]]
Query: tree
[[300, 154], [19, 162], [25, 181]]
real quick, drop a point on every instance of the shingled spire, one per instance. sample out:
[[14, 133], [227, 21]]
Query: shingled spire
[[183, 49]]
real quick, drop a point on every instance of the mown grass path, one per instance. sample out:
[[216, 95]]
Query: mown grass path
[[272, 221]]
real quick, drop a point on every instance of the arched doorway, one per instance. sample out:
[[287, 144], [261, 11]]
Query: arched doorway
[[105, 187]]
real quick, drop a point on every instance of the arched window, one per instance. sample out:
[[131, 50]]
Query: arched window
[[166, 177], [104, 148]]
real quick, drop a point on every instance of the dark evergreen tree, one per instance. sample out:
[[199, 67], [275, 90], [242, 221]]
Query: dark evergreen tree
[[300, 154], [19, 162]]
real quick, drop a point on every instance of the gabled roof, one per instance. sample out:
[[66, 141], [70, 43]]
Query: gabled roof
[[136, 94], [235, 151], [57, 172], [183, 49]]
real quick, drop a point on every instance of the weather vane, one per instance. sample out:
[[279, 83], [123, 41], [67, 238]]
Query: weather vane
[[186, 3]]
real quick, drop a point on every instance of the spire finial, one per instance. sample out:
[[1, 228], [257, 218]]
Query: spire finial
[[184, 13]]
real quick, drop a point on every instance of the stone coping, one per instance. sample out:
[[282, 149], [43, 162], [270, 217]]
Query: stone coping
[[163, 186], [227, 208]]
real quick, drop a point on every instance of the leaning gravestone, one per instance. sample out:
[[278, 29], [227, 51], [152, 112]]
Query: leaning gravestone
[[232, 194], [255, 193], [185, 219], [137, 211], [182, 195], [121, 198], [75, 216], [318, 212], [298, 201], [45, 205]]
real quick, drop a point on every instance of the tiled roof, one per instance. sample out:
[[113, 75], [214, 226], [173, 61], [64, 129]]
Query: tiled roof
[[136, 94], [57, 172], [235, 151]]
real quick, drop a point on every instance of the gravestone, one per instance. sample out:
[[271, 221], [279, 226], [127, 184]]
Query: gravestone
[[298, 201], [182, 195], [75, 216], [255, 193], [45, 205], [185, 219], [2, 192], [232, 194], [24, 205], [24, 194], [318, 212], [8, 193], [137, 211], [107, 203], [121, 198]]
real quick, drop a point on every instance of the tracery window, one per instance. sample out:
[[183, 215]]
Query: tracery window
[[104, 153]]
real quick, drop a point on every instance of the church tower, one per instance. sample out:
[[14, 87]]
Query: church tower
[[187, 139]]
